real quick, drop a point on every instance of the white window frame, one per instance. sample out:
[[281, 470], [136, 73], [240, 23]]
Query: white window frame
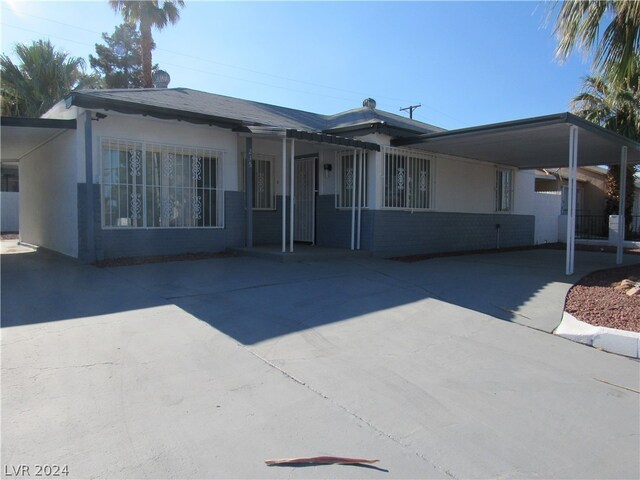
[[404, 170], [504, 190], [140, 192], [345, 183]]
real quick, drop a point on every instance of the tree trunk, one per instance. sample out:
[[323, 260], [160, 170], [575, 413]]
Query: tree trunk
[[146, 42]]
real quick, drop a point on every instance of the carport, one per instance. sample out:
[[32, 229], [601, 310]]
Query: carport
[[550, 141], [21, 136]]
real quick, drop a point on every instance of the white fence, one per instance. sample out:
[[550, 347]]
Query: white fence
[[9, 201], [547, 207]]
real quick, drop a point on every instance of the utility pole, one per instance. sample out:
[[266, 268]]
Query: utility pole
[[410, 108]]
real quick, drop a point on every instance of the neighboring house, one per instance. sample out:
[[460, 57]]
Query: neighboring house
[[592, 221], [590, 191], [9, 198], [118, 173]]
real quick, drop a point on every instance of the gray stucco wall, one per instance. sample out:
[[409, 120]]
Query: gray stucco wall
[[114, 243], [406, 233]]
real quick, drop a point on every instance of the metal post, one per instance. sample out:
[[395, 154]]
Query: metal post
[[284, 194], [293, 175], [248, 176], [621, 205], [360, 168], [353, 201], [571, 210]]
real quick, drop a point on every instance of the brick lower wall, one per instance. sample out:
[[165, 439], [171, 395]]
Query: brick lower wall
[[333, 226], [384, 232], [406, 233]]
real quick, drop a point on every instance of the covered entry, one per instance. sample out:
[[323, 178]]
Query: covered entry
[[550, 141], [305, 161]]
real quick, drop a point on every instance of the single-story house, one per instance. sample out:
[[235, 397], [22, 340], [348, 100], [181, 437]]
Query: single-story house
[[119, 173]]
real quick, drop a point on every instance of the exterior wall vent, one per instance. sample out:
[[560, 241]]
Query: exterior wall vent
[[369, 102], [161, 79]]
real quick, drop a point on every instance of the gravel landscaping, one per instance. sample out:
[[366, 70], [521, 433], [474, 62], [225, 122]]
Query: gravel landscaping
[[601, 299]]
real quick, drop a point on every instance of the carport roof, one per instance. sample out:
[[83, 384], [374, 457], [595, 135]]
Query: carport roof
[[23, 135], [539, 142]]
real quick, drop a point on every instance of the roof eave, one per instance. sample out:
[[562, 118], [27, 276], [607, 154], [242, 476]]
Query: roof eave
[[546, 120], [365, 128], [38, 122], [122, 106]]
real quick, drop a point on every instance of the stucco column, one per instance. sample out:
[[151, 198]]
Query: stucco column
[[89, 190]]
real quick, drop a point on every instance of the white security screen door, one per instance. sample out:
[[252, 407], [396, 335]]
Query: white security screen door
[[305, 200]]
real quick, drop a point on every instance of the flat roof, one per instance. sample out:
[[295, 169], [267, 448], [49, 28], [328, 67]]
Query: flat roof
[[538, 142]]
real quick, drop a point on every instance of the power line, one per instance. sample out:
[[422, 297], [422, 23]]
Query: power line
[[255, 82], [279, 77], [194, 57]]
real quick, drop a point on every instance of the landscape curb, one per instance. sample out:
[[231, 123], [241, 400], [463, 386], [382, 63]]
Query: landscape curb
[[608, 339]]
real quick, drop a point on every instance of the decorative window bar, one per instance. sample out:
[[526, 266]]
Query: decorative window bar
[[346, 179], [408, 179], [160, 186], [263, 182]]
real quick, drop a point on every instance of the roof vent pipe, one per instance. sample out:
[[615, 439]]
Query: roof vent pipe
[[369, 102], [161, 79]]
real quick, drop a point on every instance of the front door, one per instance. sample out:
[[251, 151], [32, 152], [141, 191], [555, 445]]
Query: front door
[[305, 200]]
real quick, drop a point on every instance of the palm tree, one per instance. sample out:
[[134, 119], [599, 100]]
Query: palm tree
[[578, 25], [610, 104], [148, 14], [614, 105], [44, 75]]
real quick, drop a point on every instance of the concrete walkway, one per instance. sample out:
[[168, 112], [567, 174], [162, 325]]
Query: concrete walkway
[[206, 369]]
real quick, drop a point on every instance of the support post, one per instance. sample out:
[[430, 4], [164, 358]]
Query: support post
[[353, 200], [284, 194], [622, 205], [360, 169], [571, 210], [293, 196], [248, 181]]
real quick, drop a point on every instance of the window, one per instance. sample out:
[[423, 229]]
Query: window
[[504, 190], [10, 181], [579, 201], [408, 179], [160, 186], [263, 175], [346, 180], [264, 194]]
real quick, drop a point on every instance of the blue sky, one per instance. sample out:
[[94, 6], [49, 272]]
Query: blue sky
[[468, 63]]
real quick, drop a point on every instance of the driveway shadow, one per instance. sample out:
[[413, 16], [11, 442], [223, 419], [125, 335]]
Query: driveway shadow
[[253, 299]]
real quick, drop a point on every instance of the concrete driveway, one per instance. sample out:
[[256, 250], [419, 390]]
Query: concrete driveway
[[206, 369]]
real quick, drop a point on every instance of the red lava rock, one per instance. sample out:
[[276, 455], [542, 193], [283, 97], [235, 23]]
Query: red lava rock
[[596, 300]]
